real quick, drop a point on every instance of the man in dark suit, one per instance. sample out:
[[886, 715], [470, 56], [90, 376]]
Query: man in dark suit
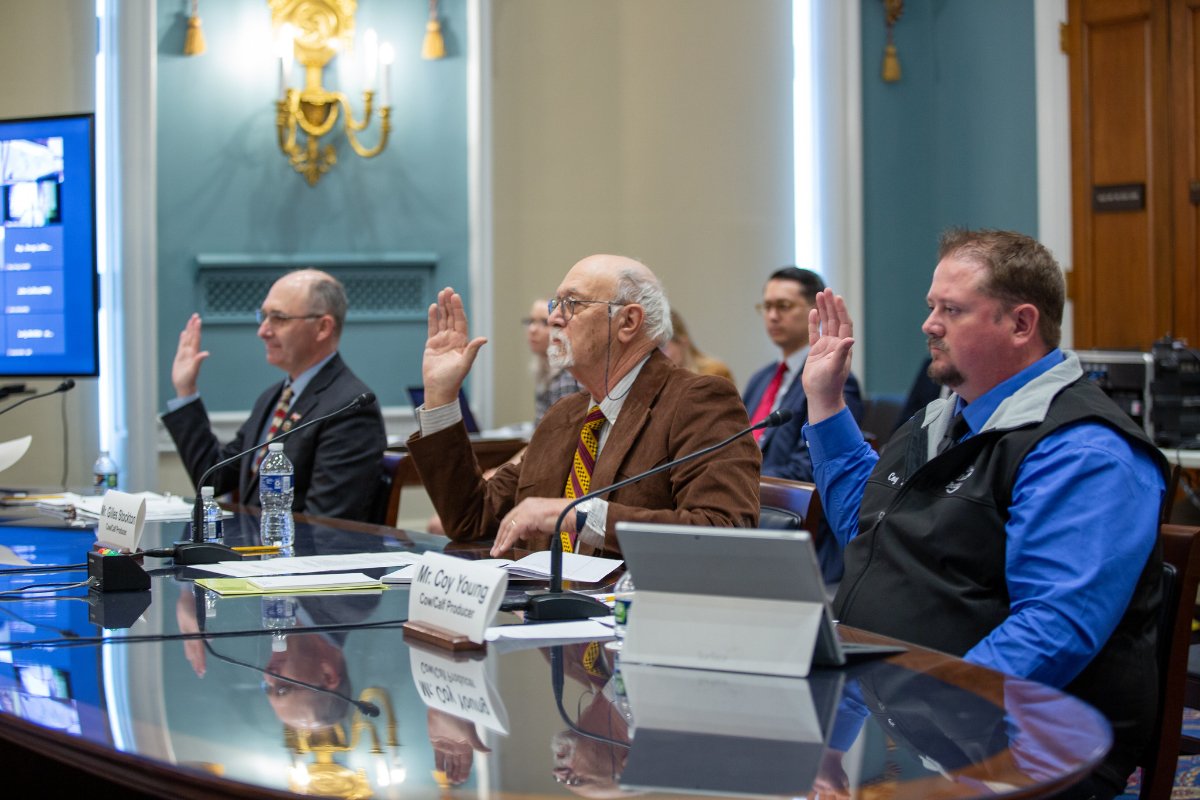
[[336, 461], [608, 320], [790, 293]]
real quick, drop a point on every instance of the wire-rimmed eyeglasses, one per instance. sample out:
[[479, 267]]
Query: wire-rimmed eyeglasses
[[570, 304], [278, 317]]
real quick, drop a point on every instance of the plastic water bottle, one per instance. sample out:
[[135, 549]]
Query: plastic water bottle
[[213, 527], [275, 492], [279, 617], [104, 473], [623, 594]]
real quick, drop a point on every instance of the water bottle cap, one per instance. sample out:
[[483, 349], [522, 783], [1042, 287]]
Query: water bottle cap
[[206, 491], [279, 643], [275, 447]]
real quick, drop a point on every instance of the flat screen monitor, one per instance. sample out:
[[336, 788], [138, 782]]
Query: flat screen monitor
[[48, 247]]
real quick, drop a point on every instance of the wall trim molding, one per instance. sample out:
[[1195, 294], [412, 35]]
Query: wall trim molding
[[1053, 103]]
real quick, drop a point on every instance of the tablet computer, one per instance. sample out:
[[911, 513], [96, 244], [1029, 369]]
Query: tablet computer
[[765, 578]]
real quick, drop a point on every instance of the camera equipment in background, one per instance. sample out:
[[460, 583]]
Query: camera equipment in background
[[1125, 376], [1175, 394]]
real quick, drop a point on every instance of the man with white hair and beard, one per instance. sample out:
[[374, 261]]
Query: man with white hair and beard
[[608, 317]]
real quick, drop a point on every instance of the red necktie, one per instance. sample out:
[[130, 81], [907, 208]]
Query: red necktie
[[768, 399], [581, 466], [281, 409]]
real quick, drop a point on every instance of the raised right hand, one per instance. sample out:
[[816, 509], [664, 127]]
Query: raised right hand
[[188, 358], [449, 350], [830, 338]]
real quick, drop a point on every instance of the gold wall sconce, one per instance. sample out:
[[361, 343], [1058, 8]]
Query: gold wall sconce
[[892, 10], [325, 776], [314, 32]]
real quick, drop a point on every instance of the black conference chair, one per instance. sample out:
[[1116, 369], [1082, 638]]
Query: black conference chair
[[1181, 579], [787, 505], [386, 508]]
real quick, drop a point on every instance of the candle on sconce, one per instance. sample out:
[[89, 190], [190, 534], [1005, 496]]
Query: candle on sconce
[[370, 58], [386, 56], [284, 51]]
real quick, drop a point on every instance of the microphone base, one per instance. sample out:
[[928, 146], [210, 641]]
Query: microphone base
[[545, 605], [189, 553]]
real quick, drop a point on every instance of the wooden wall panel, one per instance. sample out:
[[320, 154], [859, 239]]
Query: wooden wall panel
[[1119, 135], [1185, 144]]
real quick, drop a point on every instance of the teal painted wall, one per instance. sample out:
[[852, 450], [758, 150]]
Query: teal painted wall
[[954, 143], [224, 187]]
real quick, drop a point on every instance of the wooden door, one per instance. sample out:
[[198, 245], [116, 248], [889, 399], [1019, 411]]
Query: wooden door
[[1121, 280], [1185, 150]]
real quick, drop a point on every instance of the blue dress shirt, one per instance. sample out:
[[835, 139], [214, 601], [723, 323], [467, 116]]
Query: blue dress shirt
[[1083, 520]]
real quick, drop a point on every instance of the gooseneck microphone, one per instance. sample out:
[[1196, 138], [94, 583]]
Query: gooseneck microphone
[[198, 551], [554, 603], [65, 386]]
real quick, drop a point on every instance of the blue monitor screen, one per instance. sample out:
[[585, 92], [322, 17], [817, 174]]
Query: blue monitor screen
[[48, 247]]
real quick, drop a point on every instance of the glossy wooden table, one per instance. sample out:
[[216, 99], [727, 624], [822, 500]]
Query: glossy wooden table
[[191, 714]]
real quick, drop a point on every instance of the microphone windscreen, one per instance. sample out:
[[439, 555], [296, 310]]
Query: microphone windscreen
[[780, 417], [66, 385], [364, 399]]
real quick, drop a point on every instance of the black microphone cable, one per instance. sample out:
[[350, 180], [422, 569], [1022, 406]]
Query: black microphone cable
[[45, 568], [66, 386]]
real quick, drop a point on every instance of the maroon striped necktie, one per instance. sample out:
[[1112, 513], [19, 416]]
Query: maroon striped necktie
[[281, 409], [581, 466]]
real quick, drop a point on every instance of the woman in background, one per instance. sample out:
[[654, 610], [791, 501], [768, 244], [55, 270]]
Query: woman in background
[[549, 385], [685, 354]]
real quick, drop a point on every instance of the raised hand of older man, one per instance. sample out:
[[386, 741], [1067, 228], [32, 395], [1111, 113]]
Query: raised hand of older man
[[449, 350]]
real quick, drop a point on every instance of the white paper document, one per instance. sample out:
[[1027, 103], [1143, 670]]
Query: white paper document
[[293, 582], [585, 629], [345, 562]]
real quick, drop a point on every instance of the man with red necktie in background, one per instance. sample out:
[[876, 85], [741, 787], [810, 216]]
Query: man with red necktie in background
[[788, 296]]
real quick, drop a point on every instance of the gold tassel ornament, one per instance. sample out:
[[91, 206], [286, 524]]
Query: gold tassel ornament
[[193, 42], [434, 46], [891, 62]]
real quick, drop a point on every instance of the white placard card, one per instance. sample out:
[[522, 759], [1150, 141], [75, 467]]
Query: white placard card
[[456, 595], [460, 687], [122, 518]]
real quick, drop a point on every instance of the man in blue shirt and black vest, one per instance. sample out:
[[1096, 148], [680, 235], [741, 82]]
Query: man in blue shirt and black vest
[[1014, 523]]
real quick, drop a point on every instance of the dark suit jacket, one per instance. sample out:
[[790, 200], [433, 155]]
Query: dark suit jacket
[[337, 462], [785, 453], [669, 412]]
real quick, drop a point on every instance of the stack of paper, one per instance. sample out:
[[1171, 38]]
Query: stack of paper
[[159, 507], [286, 584]]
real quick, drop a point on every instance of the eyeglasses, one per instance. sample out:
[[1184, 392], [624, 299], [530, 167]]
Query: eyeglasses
[[541, 323], [782, 306], [570, 304], [278, 317]]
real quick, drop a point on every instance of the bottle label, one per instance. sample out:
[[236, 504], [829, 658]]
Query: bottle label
[[104, 480], [621, 611], [276, 483]]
